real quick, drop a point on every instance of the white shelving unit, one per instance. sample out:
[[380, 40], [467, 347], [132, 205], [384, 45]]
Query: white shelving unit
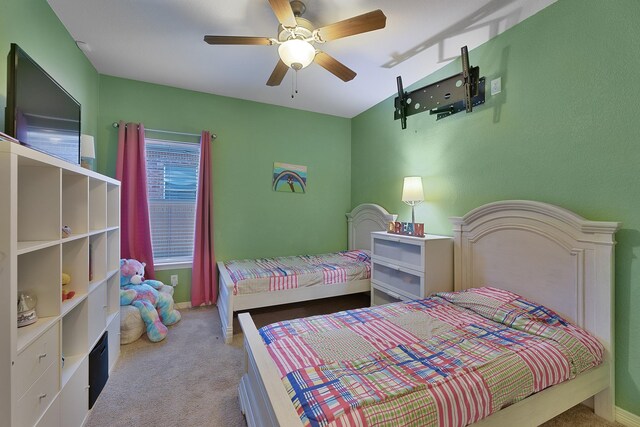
[[406, 267], [40, 194]]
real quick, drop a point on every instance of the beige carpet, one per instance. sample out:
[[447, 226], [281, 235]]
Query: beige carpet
[[191, 378]]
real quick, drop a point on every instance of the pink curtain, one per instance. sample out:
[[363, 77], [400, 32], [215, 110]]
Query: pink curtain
[[131, 171], [204, 278]]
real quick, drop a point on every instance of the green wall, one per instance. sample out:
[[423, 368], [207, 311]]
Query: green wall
[[251, 220], [563, 131], [36, 29]]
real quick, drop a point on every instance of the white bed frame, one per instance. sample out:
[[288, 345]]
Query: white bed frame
[[361, 221], [540, 251]]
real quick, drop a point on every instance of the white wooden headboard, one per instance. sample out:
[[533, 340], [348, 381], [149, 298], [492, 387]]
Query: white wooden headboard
[[363, 220], [539, 251], [546, 254]]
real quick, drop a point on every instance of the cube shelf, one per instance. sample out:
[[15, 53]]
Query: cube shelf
[[38, 203], [97, 259], [97, 204], [75, 263], [42, 194], [74, 339], [75, 212]]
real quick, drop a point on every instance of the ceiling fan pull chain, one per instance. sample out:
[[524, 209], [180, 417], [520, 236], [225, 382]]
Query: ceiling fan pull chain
[[294, 84]]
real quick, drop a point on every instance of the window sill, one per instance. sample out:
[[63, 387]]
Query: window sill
[[173, 265]]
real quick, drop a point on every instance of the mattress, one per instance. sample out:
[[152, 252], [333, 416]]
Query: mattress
[[274, 274], [449, 360]]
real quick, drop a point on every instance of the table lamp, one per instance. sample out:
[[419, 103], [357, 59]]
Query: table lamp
[[412, 193]]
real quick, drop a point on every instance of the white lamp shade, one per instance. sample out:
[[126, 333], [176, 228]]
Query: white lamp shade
[[412, 189], [87, 147], [297, 54]]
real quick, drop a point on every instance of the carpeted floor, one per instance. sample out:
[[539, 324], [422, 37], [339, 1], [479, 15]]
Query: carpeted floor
[[191, 378]]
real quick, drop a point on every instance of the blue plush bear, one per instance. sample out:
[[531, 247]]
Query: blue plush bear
[[156, 308]]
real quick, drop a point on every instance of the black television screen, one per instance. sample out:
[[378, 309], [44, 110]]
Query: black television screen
[[40, 113]]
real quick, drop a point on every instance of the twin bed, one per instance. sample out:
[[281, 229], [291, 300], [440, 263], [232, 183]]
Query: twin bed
[[522, 270], [247, 284]]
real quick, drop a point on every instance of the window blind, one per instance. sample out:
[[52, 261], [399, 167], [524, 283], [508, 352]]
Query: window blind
[[172, 183]]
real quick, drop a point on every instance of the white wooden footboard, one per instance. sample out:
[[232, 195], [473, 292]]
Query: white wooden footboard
[[263, 399]]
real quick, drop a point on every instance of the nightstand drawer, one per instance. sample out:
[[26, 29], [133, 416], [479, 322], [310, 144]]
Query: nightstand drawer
[[36, 358], [399, 250], [381, 296], [405, 281]]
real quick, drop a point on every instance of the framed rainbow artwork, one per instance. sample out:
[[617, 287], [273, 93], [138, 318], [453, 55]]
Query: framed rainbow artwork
[[289, 178]]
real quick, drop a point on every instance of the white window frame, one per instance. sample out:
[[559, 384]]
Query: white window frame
[[166, 263]]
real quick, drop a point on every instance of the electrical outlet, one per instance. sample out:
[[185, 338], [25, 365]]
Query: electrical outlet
[[174, 280], [496, 86]]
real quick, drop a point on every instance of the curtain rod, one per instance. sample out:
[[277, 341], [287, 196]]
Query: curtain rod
[[213, 135]]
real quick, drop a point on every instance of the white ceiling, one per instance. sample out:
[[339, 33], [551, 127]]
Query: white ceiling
[[161, 41]]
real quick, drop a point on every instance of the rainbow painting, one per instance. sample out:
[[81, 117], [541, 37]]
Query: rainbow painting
[[289, 178]]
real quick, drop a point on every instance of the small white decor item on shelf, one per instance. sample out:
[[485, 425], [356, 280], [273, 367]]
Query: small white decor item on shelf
[[27, 309]]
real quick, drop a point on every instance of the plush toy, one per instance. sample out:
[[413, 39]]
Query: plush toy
[[156, 308], [66, 279]]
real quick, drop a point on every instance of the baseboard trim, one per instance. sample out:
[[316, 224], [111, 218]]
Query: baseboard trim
[[627, 418], [182, 305]]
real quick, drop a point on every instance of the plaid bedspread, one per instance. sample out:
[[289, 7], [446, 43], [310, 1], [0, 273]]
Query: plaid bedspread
[[448, 360], [274, 274]]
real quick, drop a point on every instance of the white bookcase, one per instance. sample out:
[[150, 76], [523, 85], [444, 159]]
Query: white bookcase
[[39, 195]]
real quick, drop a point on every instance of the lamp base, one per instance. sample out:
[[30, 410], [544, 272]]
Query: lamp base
[[87, 163]]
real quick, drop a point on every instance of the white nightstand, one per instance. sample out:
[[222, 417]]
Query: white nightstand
[[405, 267]]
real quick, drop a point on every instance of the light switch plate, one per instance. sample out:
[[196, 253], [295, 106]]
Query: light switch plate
[[496, 86]]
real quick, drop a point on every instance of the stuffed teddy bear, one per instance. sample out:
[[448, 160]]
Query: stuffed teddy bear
[[156, 308], [66, 279]]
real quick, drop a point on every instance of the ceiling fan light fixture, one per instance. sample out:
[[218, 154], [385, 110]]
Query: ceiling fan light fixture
[[297, 53]]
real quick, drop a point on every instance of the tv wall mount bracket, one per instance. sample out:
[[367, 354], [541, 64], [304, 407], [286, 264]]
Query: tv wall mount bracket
[[460, 92]]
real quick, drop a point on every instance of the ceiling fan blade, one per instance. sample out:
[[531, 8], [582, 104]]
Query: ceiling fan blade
[[278, 74], [370, 21], [283, 12], [334, 66], [237, 40]]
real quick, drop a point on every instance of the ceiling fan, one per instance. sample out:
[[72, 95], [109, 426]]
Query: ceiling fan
[[297, 37]]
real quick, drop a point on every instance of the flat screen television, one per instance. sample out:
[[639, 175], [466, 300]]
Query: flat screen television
[[40, 113]]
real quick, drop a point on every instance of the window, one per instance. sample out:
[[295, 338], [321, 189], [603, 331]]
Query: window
[[172, 183]]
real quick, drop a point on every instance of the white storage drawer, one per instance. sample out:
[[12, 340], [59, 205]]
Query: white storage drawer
[[381, 296], [405, 281], [400, 250], [36, 358], [33, 404], [51, 418]]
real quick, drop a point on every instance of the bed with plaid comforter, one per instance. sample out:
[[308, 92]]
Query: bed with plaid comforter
[[274, 274], [449, 360]]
